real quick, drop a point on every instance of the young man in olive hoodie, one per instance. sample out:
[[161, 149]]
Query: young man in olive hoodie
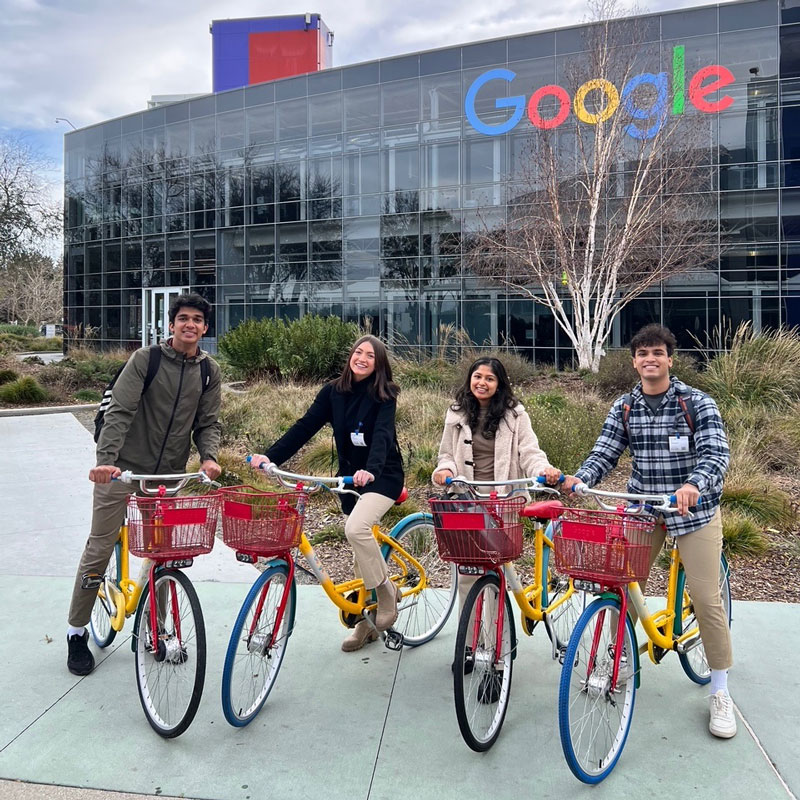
[[147, 432]]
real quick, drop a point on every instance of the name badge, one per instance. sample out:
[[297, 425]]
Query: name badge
[[357, 438], [678, 444]]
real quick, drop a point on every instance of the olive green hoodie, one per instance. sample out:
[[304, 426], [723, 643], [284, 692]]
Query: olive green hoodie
[[151, 433]]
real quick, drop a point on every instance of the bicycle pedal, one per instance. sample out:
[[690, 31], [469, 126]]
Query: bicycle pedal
[[91, 580], [393, 640]]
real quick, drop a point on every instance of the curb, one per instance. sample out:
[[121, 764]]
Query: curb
[[23, 412]]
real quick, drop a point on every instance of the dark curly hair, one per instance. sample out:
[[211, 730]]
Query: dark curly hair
[[653, 335], [501, 401]]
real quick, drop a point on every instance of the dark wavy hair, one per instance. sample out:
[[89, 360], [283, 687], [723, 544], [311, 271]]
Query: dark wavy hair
[[383, 387], [501, 401], [653, 335]]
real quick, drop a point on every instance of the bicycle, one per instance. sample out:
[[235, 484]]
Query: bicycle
[[169, 641], [607, 553], [483, 536], [270, 525]]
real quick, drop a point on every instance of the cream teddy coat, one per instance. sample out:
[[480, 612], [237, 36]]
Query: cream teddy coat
[[516, 451]]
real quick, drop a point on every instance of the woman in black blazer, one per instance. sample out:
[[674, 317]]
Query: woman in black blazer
[[360, 405]]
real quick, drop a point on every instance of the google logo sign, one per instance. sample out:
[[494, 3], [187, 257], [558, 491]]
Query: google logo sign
[[706, 81]]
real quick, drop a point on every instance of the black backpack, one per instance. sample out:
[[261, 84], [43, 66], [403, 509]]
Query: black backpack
[[684, 401], [152, 368]]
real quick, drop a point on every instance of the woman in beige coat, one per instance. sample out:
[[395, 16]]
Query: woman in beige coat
[[488, 436]]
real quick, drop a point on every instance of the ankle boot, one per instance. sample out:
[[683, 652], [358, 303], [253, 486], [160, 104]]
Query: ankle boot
[[388, 595], [362, 634]]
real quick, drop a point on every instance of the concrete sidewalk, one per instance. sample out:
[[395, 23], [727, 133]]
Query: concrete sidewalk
[[370, 724]]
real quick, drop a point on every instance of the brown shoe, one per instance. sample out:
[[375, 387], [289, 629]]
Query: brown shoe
[[362, 634], [388, 595]]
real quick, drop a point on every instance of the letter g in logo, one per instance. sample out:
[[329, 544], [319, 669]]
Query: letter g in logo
[[517, 103]]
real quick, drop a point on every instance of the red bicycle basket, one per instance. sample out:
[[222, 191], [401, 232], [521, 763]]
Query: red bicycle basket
[[262, 523], [172, 527], [607, 547], [478, 531]]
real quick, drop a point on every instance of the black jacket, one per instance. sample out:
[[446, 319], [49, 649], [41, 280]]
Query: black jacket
[[346, 411]]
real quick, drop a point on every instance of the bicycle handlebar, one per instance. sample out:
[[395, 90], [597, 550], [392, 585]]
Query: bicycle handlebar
[[336, 484], [181, 480], [657, 502], [524, 484]]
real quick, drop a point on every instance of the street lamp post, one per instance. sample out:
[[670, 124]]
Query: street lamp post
[[64, 119]]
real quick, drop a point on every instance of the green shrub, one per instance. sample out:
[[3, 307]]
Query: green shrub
[[7, 375], [741, 536], [314, 348], [92, 368], [89, 396], [20, 330], [552, 401], [253, 347], [430, 373], [758, 498], [23, 390], [334, 532]]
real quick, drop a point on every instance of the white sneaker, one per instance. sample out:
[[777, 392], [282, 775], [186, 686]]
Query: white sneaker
[[723, 720]]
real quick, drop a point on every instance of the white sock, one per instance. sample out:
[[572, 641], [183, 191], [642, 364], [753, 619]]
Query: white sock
[[719, 681], [76, 631]]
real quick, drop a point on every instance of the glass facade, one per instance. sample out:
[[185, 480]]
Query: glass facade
[[355, 191]]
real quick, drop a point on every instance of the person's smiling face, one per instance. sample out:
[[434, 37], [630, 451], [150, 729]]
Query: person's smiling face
[[483, 384], [652, 363], [187, 329], [362, 362]]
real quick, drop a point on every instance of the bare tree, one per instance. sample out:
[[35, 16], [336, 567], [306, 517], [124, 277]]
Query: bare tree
[[31, 289], [608, 207], [26, 211]]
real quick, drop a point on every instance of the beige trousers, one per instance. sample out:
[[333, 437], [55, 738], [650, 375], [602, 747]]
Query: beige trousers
[[108, 514], [700, 553], [369, 564]]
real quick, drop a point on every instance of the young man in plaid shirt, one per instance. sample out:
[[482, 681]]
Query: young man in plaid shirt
[[669, 457]]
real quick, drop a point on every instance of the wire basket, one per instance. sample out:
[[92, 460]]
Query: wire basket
[[478, 531], [172, 527], [606, 547], [262, 523]]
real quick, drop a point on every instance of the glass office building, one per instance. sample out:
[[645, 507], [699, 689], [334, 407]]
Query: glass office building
[[354, 191]]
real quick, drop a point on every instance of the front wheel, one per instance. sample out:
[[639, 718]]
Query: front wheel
[[482, 686], [103, 609], [170, 661], [423, 614], [257, 646], [694, 661], [593, 718]]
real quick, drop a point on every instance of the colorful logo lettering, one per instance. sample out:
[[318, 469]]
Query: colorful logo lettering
[[706, 81]]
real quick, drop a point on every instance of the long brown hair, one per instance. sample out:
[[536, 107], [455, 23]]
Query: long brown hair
[[383, 387]]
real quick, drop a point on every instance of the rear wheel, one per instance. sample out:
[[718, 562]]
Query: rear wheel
[[257, 646], [482, 687], [103, 609], [170, 661], [694, 662], [423, 614], [593, 720]]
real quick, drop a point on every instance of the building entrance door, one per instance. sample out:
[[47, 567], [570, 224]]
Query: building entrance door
[[155, 303]]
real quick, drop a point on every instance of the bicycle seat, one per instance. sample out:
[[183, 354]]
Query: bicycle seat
[[403, 497], [546, 509]]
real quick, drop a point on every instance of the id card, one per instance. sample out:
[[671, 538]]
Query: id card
[[357, 438], [678, 444]]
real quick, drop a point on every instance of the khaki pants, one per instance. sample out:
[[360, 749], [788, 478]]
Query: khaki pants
[[369, 564], [108, 514], [700, 553]]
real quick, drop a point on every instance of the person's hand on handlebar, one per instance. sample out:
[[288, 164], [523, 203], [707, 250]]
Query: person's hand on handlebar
[[441, 476], [552, 475], [259, 462], [570, 482], [362, 478], [104, 473], [211, 468], [686, 497]]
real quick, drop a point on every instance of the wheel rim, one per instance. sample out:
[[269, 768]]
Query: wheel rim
[[422, 615], [100, 621], [483, 693], [255, 662], [168, 680], [598, 722]]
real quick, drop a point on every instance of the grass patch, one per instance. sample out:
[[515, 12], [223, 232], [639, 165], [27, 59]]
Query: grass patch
[[760, 501], [742, 536], [330, 533], [23, 390], [88, 395], [7, 376]]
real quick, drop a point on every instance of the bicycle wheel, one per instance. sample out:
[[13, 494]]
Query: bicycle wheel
[[422, 615], [483, 687], [560, 623], [694, 662], [170, 680], [257, 646], [593, 721], [100, 622]]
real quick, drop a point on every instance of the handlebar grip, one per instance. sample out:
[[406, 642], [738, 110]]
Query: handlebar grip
[[448, 480], [673, 499], [347, 480], [542, 479], [262, 467]]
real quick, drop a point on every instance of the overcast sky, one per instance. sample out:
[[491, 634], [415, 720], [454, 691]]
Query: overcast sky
[[90, 60]]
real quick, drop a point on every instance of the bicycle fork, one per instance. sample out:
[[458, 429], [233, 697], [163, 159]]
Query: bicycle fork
[[262, 643], [499, 622], [600, 682]]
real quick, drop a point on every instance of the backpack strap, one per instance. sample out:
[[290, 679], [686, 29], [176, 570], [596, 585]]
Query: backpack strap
[[627, 404], [152, 366], [205, 374], [687, 406]]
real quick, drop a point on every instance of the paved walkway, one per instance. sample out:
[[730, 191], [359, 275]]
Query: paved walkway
[[371, 724]]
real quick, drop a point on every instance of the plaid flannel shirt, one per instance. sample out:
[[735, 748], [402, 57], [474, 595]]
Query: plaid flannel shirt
[[656, 470]]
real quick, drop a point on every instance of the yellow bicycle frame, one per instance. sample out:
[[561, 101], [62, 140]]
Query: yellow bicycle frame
[[124, 597]]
